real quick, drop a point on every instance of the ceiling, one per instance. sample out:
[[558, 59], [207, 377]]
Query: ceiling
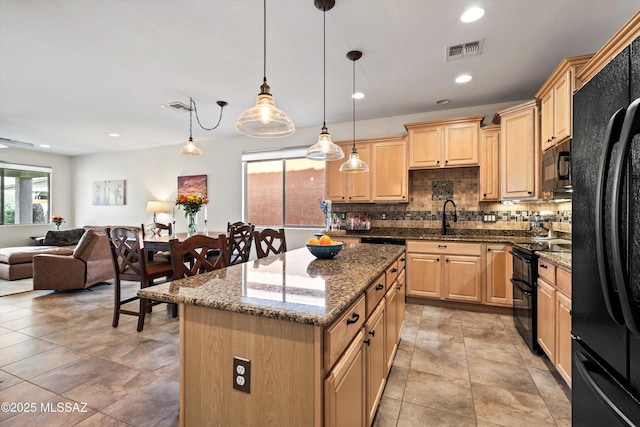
[[73, 71]]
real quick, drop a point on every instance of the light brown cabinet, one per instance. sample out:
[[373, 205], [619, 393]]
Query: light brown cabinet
[[554, 316], [444, 270], [489, 173], [345, 387], [389, 173], [348, 187], [498, 274], [394, 316], [376, 364], [556, 96], [520, 152], [444, 143], [386, 181]]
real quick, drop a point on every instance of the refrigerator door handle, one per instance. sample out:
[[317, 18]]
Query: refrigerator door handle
[[610, 297], [585, 367], [630, 127]]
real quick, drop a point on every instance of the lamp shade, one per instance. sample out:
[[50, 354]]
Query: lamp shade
[[325, 149], [265, 120], [156, 206], [354, 164], [190, 149]]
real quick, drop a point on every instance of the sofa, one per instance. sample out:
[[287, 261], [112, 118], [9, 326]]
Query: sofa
[[88, 264], [17, 262]]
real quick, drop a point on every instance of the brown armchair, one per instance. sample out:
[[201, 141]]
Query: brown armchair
[[90, 263]]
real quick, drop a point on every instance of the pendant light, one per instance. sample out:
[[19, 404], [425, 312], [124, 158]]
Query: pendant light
[[265, 120], [190, 148], [324, 149], [354, 164]]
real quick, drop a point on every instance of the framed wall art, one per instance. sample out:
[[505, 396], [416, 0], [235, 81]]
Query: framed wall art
[[108, 193], [192, 184]]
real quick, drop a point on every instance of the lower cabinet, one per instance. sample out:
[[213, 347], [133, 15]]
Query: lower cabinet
[[547, 318], [498, 274], [462, 278], [563, 336], [376, 364], [423, 275], [345, 387]]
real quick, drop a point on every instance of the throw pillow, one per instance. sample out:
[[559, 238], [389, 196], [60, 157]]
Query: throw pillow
[[64, 237]]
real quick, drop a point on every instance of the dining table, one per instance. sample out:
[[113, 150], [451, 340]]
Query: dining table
[[160, 243]]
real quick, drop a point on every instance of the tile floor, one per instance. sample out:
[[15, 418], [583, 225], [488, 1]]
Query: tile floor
[[453, 368]]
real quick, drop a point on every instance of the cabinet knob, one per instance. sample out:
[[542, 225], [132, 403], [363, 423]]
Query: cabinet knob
[[446, 161], [379, 287], [402, 259], [553, 137], [488, 250], [354, 318], [367, 342], [485, 194], [442, 246], [543, 266], [529, 192], [446, 260], [438, 162], [372, 333], [398, 287], [394, 270]]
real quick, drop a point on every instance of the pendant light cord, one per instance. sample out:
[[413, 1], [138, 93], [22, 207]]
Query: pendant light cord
[[264, 38], [354, 105], [192, 107], [324, 69]]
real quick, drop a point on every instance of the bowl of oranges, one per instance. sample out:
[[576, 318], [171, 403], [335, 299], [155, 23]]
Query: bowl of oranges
[[323, 247]]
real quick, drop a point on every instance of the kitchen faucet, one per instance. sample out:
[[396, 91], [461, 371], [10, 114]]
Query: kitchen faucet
[[444, 211]]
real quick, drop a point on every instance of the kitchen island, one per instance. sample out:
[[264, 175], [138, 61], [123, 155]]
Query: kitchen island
[[296, 324]]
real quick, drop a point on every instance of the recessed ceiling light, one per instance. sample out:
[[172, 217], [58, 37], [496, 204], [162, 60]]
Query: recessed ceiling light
[[443, 101], [115, 135], [45, 146], [463, 78], [472, 14], [358, 95]]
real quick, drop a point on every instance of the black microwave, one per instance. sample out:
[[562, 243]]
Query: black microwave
[[556, 172]]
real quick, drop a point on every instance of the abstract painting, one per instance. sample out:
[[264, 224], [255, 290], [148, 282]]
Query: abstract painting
[[192, 184], [107, 193]]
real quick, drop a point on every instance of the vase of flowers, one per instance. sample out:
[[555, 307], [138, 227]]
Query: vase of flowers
[[57, 220], [191, 203]]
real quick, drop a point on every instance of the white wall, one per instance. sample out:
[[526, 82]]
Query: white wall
[[62, 194], [151, 174]]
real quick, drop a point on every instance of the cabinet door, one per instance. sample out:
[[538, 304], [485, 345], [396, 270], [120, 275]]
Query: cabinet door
[[562, 108], [359, 184], [563, 336], [499, 267], [391, 320], [547, 318], [462, 278], [335, 182], [390, 174], [423, 275], [424, 147], [400, 301], [344, 388], [489, 165], [519, 160], [546, 120], [376, 364], [461, 144]]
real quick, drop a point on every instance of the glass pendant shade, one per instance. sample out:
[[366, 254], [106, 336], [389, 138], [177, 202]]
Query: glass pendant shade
[[354, 164], [325, 149], [190, 149], [265, 120]]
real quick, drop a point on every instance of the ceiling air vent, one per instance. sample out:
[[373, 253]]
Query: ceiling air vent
[[177, 106], [464, 50]]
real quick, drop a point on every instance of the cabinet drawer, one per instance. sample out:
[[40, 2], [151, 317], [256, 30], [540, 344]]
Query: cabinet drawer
[[563, 281], [547, 271], [392, 273], [402, 260], [375, 293], [340, 333], [435, 247]]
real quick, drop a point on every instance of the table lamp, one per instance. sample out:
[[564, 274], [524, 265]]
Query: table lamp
[[155, 206]]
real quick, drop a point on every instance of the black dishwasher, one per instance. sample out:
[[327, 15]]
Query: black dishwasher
[[383, 240]]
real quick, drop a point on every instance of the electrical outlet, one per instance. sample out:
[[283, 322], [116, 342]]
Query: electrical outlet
[[242, 374], [384, 216]]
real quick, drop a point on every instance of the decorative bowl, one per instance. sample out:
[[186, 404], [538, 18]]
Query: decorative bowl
[[324, 251]]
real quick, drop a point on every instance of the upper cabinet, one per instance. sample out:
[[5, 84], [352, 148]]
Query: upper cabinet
[[489, 163], [444, 143], [520, 152], [386, 181], [556, 101]]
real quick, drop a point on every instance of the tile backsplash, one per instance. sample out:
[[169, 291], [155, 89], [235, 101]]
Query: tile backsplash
[[423, 211]]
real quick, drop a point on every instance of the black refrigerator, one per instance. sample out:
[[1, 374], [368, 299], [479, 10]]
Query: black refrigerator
[[606, 245]]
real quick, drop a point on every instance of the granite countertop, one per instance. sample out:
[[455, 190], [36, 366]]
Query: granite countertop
[[292, 286], [561, 259]]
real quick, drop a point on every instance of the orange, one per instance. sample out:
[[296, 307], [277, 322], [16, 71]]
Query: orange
[[325, 240], [314, 241]]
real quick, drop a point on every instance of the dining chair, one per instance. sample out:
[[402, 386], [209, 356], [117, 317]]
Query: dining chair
[[205, 253], [269, 241], [157, 229], [240, 239], [130, 263]]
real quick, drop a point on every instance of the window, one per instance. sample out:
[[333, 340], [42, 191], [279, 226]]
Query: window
[[282, 188], [25, 194]]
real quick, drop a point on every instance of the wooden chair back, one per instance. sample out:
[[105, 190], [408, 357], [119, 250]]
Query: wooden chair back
[[203, 252], [269, 241], [156, 229], [240, 239]]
